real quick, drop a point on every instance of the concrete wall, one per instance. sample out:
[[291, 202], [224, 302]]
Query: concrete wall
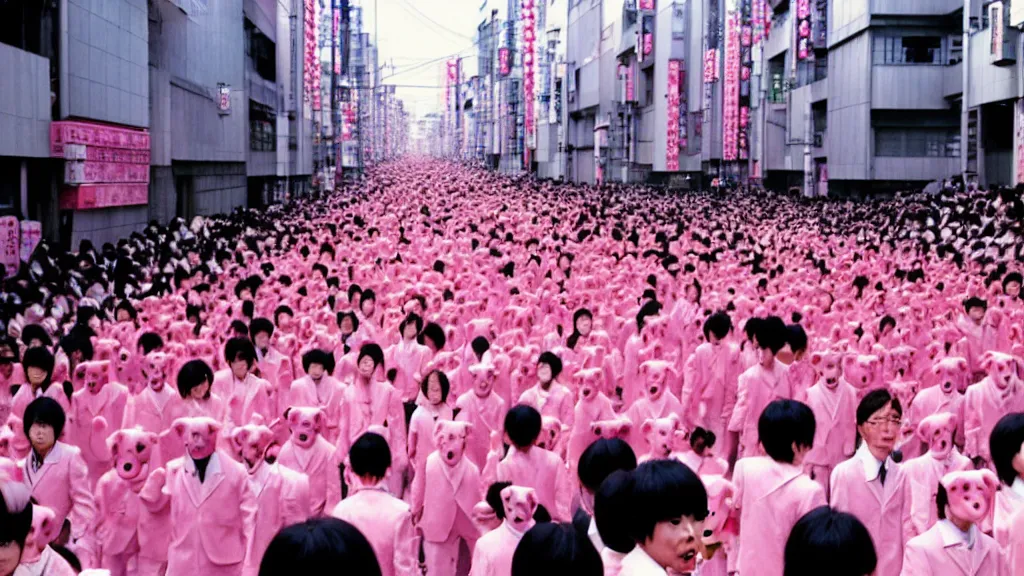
[[849, 109], [848, 17], [24, 104], [913, 7], [109, 225], [104, 61], [218, 187], [989, 83], [910, 169], [908, 88]]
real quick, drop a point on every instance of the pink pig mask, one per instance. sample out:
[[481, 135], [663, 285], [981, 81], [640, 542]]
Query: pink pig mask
[[550, 433], [829, 366], [951, 374], [969, 494], [132, 450], [199, 435], [937, 432], [450, 439], [660, 434], [589, 383], [251, 442], [305, 424], [656, 373], [44, 530], [1003, 369], [619, 428], [92, 376], [520, 504], [483, 379], [154, 370]]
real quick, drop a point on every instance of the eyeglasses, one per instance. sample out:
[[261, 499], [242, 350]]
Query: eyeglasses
[[891, 421]]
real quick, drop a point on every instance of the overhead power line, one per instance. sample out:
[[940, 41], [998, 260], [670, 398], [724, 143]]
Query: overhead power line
[[410, 6]]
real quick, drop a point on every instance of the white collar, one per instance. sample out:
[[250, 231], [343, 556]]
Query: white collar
[[639, 562], [212, 467], [1018, 487], [871, 464], [516, 533], [595, 536], [951, 535]]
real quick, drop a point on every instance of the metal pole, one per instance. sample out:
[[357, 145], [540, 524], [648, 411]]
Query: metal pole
[[335, 118], [965, 68], [809, 191]]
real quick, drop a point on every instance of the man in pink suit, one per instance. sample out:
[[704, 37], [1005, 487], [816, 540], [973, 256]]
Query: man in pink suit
[[834, 403], [979, 334], [444, 514], [709, 379], [152, 408], [96, 397], [308, 452], [1000, 393], [549, 397], [409, 358], [871, 486], [758, 386], [385, 520], [212, 504], [482, 408], [924, 472], [319, 388], [282, 495], [39, 366], [268, 359], [57, 474], [955, 544], [246, 393], [948, 377], [772, 492], [494, 550]]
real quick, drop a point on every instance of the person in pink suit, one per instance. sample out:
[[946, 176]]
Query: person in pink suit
[[444, 514], [548, 396], [11, 374], [924, 472], [435, 388], [871, 486], [593, 406], [268, 359], [979, 334], [308, 452], [1015, 548], [794, 354], [385, 520], [1000, 393], [709, 379], [58, 476], [152, 408], [660, 434], [603, 457], [282, 495], [494, 550], [96, 398], [1006, 445], [320, 388], [246, 394], [759, 385], [657, 400], [39, 366], [37, 557], [409, 357], [948, 377], [530, 466], [212, 504], [834, 403], [955, 544], [125, 530], [772, 492], [482, 408]]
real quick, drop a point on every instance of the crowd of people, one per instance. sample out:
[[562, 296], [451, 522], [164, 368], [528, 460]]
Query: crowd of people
[[440, 370]]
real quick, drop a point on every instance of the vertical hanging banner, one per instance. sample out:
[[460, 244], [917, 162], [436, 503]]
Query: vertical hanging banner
[[311, 58], [731, 83], [672, 117], [803, 29], [504, 61], [746, 71], [10, 244], [1018, 141], [529, 19], [31, 235]]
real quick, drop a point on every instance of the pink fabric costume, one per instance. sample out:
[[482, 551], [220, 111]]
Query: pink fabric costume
[[482, 408], [62, 484], [757, 387], [386, 522], [37, 558], [494, 550], [309, 453], [924, 472], [1000, 393], [834, 403], [709, 387]]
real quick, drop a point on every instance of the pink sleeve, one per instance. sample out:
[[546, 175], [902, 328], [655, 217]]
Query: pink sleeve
[[689, 386], [563, 494], [406, 548], [739, 412], [83, 507], [419, 484], [972, 428], [247, 511], [915, 562]]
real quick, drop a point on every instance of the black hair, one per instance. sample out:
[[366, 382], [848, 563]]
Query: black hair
[[321, 357], [782, 424], [1012, 277], [480, 345], [368, 294], [282, 310], [15, 524], [552, 360], [435, 333], [649, 308], [523, 425], [68, 556], [941, 501], [575, 336], [350, 315], [718, 324], [975, 302], [318, 267], [127, 307], [12, 346], [601, 458], [664, 490], [240, 349], [554, 549], [612, 511], [39, 357], [771, 333], [442, 379], [78, 341], [260, 325], [410, 318], [243, 285], [875, 401], [886, 320], [373, 351], [493, 498], [827, 537], [45, 410], [701, 439], [1005, 443], [248, 309], [85, 314], [700, 290], [150, 341], [192, 375], [370, 456], [238, 327], [354, 289], [35, 332], [310, 546], [796, 337]]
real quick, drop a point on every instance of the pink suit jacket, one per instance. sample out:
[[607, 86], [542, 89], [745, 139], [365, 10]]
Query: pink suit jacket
[[361, 408], [118, 510], [318, 463], [557, 403], [250, 396], [108, 403], [644, 409], [757, 387], [771, 498], [932, 401], [543, 471], [211, 522], [282, 499], [487, 415], [24, 397], [1015, 547], [1008, 503], [709, 381], [493, 553], [386, 522], [150, 410], [939, 552], [984, 405], [835, 413], [50, 563], [923, 475], [62, 485], [411, 359], [451, 489], [884, 510], [327, 395]]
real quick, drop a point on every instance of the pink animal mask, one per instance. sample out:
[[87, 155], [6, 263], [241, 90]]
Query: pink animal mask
[[829, 365], [1004, 370], [520, 504], [305, 424], [720, 501], [618, 428], [483, 378], [199, 435], [44, 530], [950, 374], [970, 493], [550, 433], [132, 450], [937, 432], [250, 443], [91, 376], [863, 371], [590, 382], [450, 439], [660, 434], [155, 369], [656, 374]]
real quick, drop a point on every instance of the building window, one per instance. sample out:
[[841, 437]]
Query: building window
[[678, 22], [649, 87], [908, 50], [917, 142], [261, 52], [262, 128]]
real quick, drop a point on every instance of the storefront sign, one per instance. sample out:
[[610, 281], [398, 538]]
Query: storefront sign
[[223, 99], [647, 5], [731, 83], [94, 172], [10, 244], [803, 29], [672, 139], [91, 196], [93, 134]]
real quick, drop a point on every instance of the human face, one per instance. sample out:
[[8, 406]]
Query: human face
[[36, 376], [434, 392], [543, 373], [880, 430], [410, 331], [675, 543], [262, 340], [366, 367], [691, 293], [346, 325], [123, 316], [240, 368], [584, 325], [367, 307], [765, 357], [199, 392], [42, 437], [10, 557], [316, 371], [1012, 289], [284, 322], [977, 314]]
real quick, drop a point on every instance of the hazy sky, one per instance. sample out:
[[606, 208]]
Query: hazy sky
[[409, 41]]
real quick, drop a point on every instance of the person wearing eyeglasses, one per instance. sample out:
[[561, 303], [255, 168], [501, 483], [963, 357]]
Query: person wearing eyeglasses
[[870, 485]]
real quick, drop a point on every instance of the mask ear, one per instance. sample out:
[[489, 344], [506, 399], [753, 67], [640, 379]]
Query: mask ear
[[179, 427], [237, 436], [114, 443], [213, 428], [816, 359], [646, 427], [991, 480]]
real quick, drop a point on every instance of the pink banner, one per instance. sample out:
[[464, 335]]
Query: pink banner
[[803, 29], [630, 83], [31, 234], [711, 66], [529, 50], [731, 83], [90, 196], [10, 244], [93, 172], [504, 64], [672, 119], [95, 135], [646, 4]]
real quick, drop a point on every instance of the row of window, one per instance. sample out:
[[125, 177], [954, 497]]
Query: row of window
[[917, 142], [929, 50]]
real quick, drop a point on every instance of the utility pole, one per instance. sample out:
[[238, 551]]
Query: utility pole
[[335, 117], [964, 104]]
